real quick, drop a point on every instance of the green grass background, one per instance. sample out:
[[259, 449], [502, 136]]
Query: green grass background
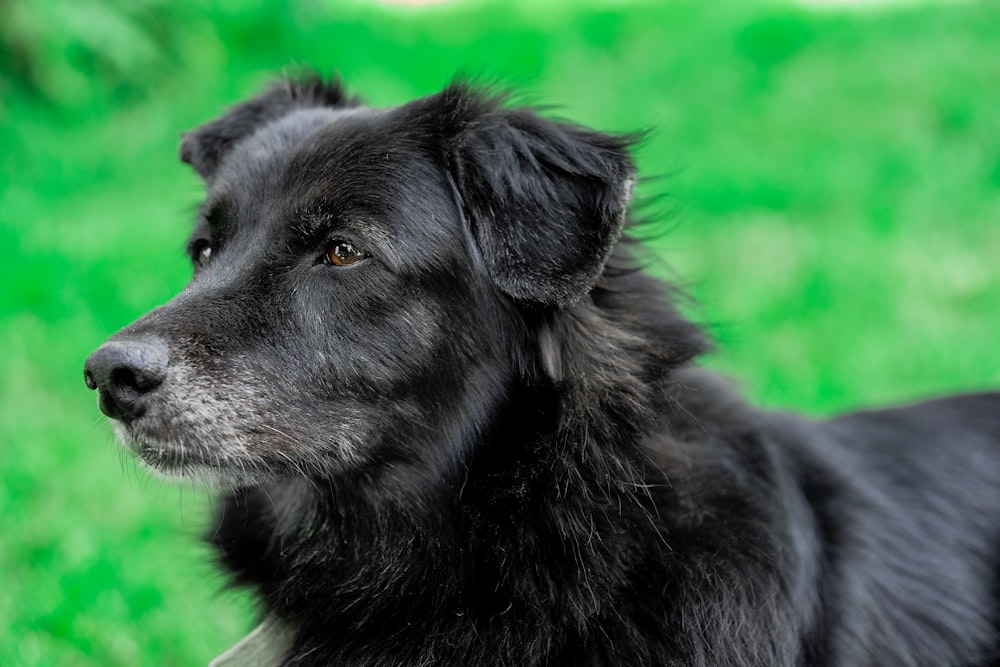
[[830, 179]]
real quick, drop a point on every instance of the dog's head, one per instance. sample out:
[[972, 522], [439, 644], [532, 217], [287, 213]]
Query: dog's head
[[364, 281]]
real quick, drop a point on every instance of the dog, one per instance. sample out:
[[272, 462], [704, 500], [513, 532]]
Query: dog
[[455, 423]]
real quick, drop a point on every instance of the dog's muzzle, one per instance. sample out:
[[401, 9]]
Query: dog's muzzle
[[126, 372]]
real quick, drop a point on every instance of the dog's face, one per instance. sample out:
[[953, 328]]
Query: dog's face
[[364, 282]]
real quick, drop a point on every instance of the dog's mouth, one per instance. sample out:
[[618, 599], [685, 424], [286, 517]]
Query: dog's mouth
[[176, 460], [154, 452]]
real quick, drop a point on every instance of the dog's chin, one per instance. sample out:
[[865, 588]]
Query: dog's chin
[[179, 463]]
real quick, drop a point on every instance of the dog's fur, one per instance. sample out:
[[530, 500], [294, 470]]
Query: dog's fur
[[486, 443]]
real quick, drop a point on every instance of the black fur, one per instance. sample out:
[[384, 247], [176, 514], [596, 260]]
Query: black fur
[[486, 442]]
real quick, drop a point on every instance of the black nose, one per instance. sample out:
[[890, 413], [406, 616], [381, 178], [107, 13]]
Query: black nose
[[125, 372]]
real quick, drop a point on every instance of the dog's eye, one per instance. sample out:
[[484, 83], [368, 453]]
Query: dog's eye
[[202, 252], [343, 253]]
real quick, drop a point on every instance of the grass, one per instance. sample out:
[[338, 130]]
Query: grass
[[829, 182]]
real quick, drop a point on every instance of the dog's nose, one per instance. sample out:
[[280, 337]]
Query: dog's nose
[[125, 372]]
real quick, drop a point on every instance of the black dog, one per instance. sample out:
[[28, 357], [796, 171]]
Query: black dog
[[457, 426]]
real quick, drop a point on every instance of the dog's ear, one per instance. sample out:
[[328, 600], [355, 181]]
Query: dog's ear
[[546, 200], [204, 147]]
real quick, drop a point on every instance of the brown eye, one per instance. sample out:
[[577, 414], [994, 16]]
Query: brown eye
[[343, 253]]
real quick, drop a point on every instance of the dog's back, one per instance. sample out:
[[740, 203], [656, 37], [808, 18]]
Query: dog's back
[[885, 524], [906, 503]]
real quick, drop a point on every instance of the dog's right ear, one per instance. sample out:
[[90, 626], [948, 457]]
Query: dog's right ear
[[204, 147]]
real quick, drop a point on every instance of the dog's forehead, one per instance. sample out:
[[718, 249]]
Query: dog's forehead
[[317, 167], [301, 132]]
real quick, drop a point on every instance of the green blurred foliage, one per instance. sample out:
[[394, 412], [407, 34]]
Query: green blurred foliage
[[827, 182]]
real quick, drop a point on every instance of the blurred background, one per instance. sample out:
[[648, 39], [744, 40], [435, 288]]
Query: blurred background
[[828, 176]]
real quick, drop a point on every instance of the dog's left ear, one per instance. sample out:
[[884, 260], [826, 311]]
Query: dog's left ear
[[546, 200]]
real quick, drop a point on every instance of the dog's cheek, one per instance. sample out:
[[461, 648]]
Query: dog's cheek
[[376, 339], [314, 434]]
